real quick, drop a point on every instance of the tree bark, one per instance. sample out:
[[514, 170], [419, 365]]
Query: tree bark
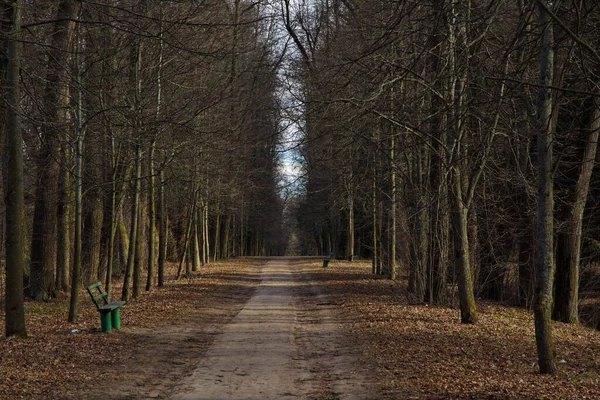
[[460, 197], [217, 238], [152, 181], [566, 302], [77, 236], [468, 310], [56, 103], [393, 268], [545, 226], [151, 218], [225, 243], [92, 237], [14, 198], [140, 247], [115, 219], [135, 205], [123, 236], [374, 218], [206, 235], [526, 267], [162, 237], [196, 262], [135, 77], [439, 230], [186, 241], [65, 223]]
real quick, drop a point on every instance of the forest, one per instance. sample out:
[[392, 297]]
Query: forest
[[450, 142], [136, 133]]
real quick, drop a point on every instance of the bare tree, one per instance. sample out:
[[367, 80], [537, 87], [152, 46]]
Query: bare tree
[[56, 101], [13, 177], [545, 252]]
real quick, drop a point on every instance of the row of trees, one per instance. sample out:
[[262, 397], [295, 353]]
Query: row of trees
[[454, 140], [137, 132]]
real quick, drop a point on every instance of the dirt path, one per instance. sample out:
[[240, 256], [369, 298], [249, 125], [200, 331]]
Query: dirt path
[[284, 343], [246, 328]]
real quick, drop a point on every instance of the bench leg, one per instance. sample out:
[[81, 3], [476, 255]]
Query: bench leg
[[105, 321], [325, 263], [116, 318]]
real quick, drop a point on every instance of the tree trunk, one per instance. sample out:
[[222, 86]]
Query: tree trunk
[[206, 235], [545, 225], [459, 183], [189, 223], [468, 310], [92, 236], [135, 205], [217, 238], [393, 269], [350, 239], [135, 74], [123, 241], [422, 247], [77, 236], [419, 238], [380, 246], [195, 244], [152, 182], [140, 249], [151, 218], [65, 223], [189, 230], [526, 268], [115, 220], [439, 229], [188, 270], [162, 237], [56, 105], [112, 233], [242, 229], [202, 234], [14, 198], [439, 225], [374, 217], [225, 244], [569, 240]]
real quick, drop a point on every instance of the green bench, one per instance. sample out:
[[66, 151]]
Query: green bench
[[327, 259], [110, 316]]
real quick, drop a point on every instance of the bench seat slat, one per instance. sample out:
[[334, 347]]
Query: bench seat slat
[[112, 306]]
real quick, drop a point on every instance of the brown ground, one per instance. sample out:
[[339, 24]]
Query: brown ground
[[405, 351]]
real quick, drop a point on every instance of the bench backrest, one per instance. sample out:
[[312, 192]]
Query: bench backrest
[[96, 298]]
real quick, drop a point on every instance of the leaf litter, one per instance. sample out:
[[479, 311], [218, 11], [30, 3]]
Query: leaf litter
[[76, 361], [424, 352], [413, 351]]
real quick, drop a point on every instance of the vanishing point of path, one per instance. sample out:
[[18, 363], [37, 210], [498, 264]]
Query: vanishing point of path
[[286, 343]]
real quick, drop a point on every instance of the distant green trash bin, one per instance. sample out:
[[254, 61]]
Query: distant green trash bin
[[326, 260]]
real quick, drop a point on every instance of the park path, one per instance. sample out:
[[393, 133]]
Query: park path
[[285, 343]]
